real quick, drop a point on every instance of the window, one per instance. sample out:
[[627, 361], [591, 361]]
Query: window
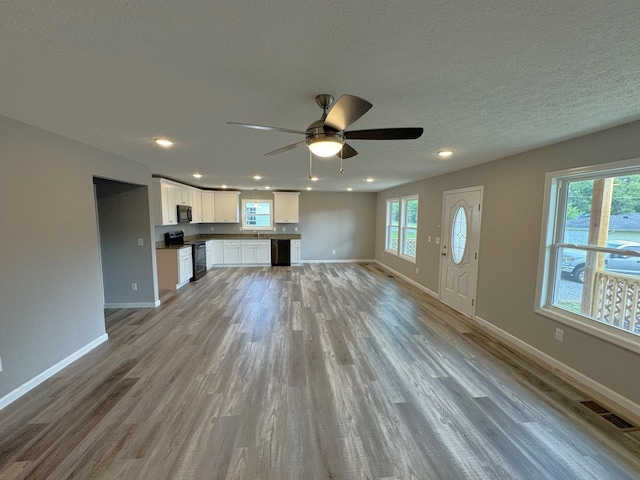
[[402, 227], [257, 214], [590, 271], [393, 225], [409, 227]]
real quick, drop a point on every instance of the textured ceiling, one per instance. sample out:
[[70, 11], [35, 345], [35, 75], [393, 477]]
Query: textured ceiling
[[487, 79]]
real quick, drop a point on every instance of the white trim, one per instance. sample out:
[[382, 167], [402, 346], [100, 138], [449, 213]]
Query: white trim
[[133, 305], [346, 260], [588, 382], [50, 372], [407, 279]]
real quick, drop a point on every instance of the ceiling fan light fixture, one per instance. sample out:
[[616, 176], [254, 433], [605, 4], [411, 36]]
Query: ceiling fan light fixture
[[325, 148]]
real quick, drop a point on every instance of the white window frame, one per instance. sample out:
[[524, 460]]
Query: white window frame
[[389, 226], [551, 241], [402, 236], [244, 214]]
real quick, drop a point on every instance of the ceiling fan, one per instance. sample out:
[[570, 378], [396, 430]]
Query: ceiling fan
[[326, 137]]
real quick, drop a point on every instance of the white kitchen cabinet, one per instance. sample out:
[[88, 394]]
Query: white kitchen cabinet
[[232, 252], [185, 266], [164, 195], [218, 252], [175, 267], [183, 195], [208, 245], [195, 195], [256, 252], [208, 207], [227, 207], [295, 251], [285, 207], [215, 253]]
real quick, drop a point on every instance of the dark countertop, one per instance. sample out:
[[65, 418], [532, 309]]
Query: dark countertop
[[231, 236]]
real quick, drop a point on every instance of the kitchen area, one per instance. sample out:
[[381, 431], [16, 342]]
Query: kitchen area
[[197, 230]]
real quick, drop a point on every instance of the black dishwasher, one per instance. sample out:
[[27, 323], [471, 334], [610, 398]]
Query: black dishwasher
[[280, 252]]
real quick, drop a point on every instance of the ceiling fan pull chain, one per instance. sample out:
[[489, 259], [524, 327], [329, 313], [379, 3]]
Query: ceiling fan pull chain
[[310, 165], [341, 169]]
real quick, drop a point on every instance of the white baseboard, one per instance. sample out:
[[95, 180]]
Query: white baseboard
[[348, 260], [133, 305], [50, 372], [579, 377], [407, 279]]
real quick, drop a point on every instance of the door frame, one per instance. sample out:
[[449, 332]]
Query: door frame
[[445, 234]]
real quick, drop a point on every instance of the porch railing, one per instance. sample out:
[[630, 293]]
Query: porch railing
[[616, 300]]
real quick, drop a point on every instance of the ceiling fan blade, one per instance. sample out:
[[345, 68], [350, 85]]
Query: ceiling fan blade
[[348, 151], [266, 128], [385, 134], [285, 149], [345, 111]]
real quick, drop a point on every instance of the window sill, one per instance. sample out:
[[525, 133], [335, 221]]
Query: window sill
[[622, 338], [408, 258], [392, 252]]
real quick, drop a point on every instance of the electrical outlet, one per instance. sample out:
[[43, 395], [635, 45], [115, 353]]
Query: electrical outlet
[[0, 364], [559, 336], [212, 229], [140, 242], [429, 238], [416, 269], [295, 229], [134, 286], [334, 252], [284, 229]]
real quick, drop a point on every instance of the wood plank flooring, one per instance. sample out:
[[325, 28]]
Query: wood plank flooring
[[319, 371]]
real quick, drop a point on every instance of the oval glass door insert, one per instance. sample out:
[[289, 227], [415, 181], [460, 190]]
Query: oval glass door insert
[[459, 235]]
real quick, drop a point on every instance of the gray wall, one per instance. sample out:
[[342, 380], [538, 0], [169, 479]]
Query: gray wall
[[509, 246], [51, 302], [344, 222], [123, 215]]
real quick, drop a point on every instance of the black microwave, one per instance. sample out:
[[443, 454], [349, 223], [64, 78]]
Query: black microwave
[[184, 214]]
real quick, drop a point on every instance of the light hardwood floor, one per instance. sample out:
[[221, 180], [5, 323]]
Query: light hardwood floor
[[322, 371]]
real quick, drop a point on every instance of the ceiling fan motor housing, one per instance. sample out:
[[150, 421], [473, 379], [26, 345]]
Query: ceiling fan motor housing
[[319, 132]]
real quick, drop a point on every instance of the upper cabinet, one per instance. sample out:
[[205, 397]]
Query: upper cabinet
[[164, 194], [195, 201], [286, 207], [227, 207], [206, 206]]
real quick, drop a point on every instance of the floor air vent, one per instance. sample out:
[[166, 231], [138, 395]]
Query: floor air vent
[[621, 423]]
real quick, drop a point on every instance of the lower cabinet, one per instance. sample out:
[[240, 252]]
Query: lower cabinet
[[215, 254], [256, 252], [175, 267], [231, 252], [295, 251], [245, 252]]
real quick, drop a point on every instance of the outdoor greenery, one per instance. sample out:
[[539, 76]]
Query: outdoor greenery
[[626, 197]]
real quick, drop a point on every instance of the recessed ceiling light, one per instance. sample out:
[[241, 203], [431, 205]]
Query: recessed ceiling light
[[369, 179], [197, 175], [257, 177], [223, 186], [313, 179], [163, 142], [267, 187], [445, 153], [309, 188], [349, 189]]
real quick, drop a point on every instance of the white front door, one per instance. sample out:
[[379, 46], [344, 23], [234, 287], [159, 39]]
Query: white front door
[[459, 248]]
